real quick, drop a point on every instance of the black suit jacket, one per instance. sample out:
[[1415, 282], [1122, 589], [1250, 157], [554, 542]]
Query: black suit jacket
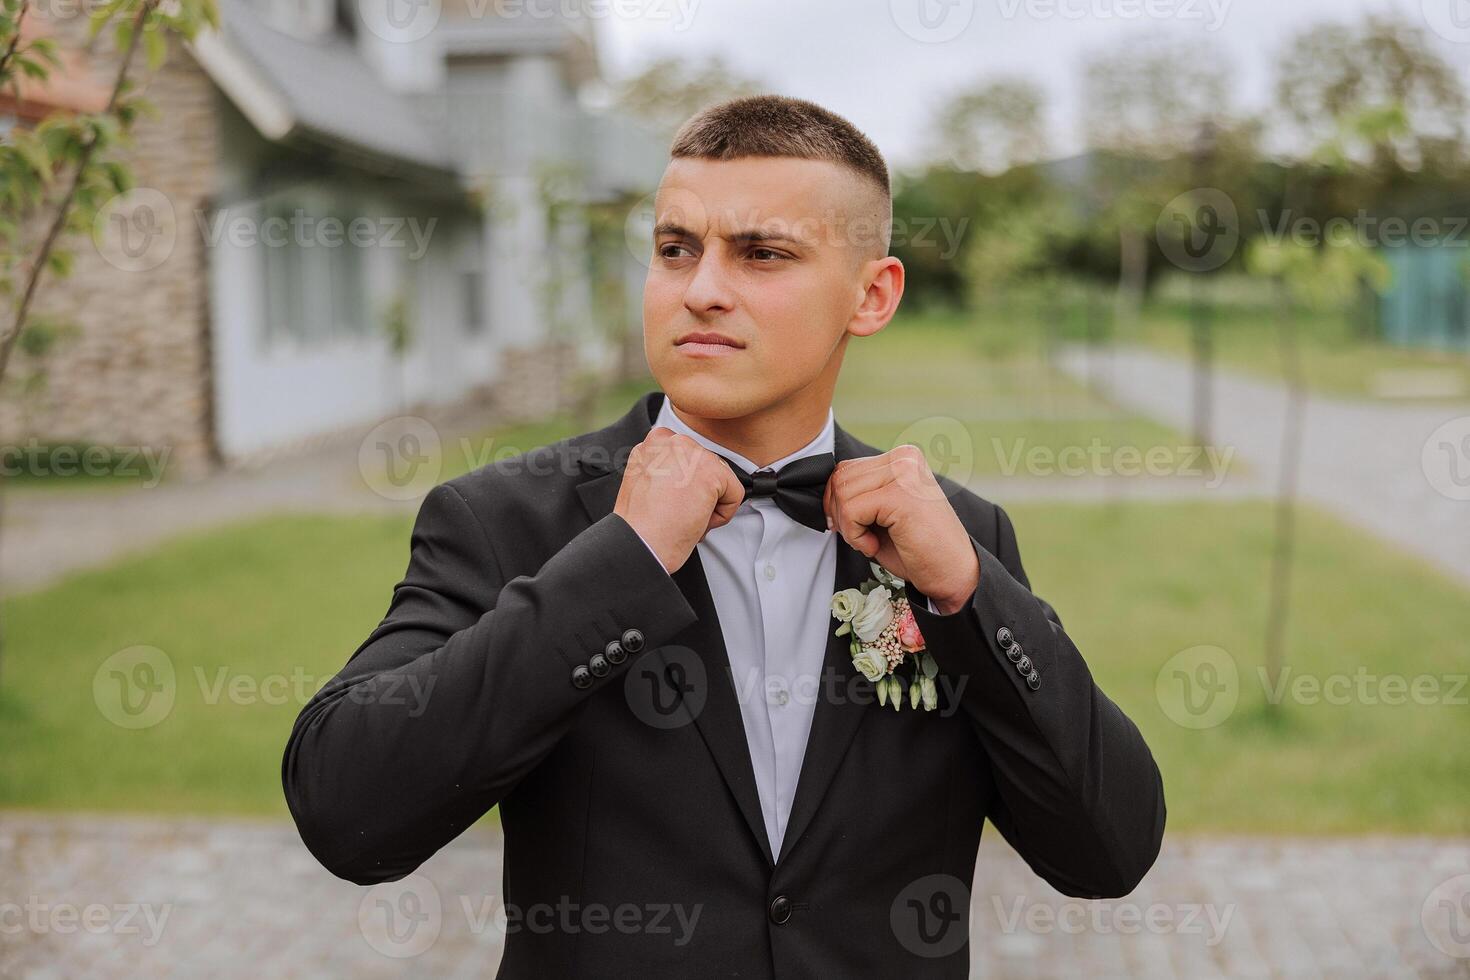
[[575, 683]]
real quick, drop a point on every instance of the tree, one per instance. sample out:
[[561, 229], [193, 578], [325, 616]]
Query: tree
[[992, 127], [1376, 93], [671, 89]]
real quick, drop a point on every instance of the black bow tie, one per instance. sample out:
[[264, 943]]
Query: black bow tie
[[798, 487]]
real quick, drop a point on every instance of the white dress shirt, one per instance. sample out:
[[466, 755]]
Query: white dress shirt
[[771, 580]]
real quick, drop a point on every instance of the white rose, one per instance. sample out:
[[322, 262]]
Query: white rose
[[870, 662], [928, 692], [874, 616], [846, 603]]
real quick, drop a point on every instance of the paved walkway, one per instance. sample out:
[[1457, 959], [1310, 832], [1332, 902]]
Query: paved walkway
[[106, 897], [1400, 471], [48, 534]]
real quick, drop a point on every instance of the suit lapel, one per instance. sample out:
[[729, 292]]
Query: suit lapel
[[720, 723]]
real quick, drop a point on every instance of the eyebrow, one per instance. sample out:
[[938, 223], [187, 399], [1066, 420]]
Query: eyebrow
[[740, 237]]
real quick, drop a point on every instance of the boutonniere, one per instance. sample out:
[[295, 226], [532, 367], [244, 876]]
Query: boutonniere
[[884, 635]]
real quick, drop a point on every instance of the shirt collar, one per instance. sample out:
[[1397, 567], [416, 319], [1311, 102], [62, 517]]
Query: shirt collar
[[821, 444]]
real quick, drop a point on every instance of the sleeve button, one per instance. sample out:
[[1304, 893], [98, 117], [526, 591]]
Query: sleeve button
[[581, 677], [599, 665], [632, 640], [615, 653], [1024, 665], [1004, 638], [1033, 680]]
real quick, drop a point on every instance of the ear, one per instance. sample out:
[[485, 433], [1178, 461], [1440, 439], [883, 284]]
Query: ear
[[882, 281]]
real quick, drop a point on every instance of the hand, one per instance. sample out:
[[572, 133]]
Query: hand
[[674, 492], [892, 509]]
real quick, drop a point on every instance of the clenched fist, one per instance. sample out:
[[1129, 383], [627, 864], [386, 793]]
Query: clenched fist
[[674, 492]]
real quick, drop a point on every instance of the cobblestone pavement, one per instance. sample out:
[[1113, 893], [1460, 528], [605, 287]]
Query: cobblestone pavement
[[1401, 471], [106, 896]]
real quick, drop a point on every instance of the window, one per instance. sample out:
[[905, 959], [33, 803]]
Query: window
[[472, 300], [316, 286]]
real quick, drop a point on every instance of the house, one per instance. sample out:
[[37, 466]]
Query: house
[[343, 211]]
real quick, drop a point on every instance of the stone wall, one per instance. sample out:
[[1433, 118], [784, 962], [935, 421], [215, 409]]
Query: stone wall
[[132, 365]]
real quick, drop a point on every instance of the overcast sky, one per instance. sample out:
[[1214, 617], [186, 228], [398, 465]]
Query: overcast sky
[[884, 63]]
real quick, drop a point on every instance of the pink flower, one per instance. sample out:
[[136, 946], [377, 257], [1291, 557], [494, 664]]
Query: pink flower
[[909, 636]]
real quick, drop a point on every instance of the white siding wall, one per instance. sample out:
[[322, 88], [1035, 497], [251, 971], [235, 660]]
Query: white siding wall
[[273, 392]]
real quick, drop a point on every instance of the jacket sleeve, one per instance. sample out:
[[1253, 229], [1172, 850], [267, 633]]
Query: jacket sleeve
[[464, 687], [1080, 797]]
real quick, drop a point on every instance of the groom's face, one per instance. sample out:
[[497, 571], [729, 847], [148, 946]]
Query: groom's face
[[766, 251]]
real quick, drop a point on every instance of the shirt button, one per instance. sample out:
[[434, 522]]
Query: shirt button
[[770, 570], [780, 695]]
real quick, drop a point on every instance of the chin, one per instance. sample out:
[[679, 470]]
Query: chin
[[709, 396]]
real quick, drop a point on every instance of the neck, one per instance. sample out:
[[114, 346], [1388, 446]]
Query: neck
[[769, 433]]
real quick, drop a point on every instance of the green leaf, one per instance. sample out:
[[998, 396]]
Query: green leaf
[[155, 44], [45, 47], [60, 261], [32, 69], [33, 152]]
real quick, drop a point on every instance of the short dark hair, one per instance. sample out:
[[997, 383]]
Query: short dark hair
[[781, 126]]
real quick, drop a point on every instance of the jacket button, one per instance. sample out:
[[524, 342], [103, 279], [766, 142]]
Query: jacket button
[[1014, 653], [780, 909], [632, 640], [599, 665], [1024, 665], [1004, 638], [615, 653], [581, 677], [1033, 680]]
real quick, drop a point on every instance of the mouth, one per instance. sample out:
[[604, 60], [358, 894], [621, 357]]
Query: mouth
[[706, 343]]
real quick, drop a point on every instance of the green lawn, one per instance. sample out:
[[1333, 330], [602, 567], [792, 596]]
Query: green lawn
[[276, 607]]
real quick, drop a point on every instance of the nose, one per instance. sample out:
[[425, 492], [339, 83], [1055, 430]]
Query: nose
[[710, 289]]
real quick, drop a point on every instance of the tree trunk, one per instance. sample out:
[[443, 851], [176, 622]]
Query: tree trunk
[[1284, 550]]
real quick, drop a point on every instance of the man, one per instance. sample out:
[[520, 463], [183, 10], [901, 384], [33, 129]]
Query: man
[[627, 638]]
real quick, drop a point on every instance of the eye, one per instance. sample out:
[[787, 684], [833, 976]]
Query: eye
[[664, 252], [757, 252]]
